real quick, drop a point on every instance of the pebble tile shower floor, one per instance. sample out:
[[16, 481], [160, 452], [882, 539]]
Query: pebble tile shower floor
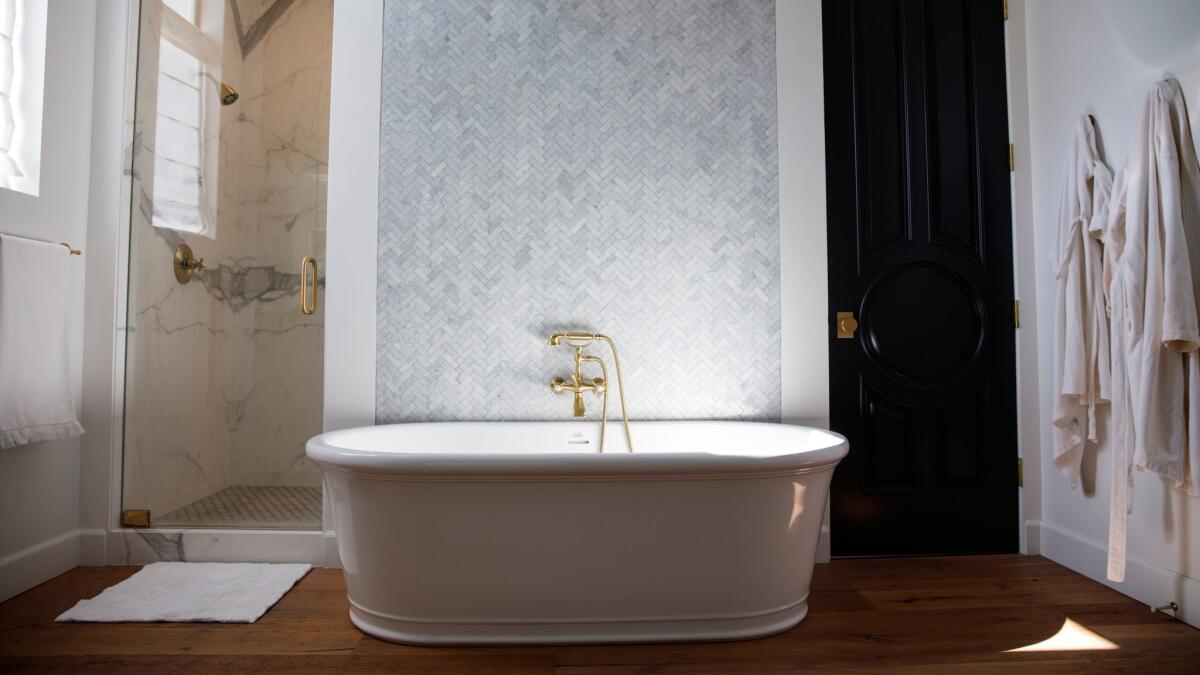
[[271, 507]]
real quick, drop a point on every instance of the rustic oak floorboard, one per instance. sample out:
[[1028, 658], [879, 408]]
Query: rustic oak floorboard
[[926, 615]]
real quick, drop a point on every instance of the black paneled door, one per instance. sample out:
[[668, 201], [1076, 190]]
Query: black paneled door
[[922, 362]]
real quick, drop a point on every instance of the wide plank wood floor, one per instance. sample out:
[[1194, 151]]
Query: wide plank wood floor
[[948, 615]]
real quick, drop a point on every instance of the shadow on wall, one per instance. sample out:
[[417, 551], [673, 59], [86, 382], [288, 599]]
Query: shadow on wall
[[1173, 21]]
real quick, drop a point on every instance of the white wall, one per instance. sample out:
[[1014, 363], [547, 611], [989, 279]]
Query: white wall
[[39, 484], [1028, 412], [107, 241], [803, 268], [1099, 57]]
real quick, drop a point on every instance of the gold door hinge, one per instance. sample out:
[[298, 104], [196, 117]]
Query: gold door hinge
[[1016, 313], [846, 325], [1005, 10], [1012, 157], [135, 518], [1020, 472]]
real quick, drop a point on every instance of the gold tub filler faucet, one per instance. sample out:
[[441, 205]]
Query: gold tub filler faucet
[[599, 385]]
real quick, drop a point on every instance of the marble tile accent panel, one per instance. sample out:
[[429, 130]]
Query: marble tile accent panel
[[607, 166]]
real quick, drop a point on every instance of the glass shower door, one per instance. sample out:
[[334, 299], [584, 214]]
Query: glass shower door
[[224, 347]]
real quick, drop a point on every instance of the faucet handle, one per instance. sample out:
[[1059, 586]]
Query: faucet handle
[[598, 386], [557, 384]]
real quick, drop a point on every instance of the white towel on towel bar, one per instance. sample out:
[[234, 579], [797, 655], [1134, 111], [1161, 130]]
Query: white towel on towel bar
[[36, 399]]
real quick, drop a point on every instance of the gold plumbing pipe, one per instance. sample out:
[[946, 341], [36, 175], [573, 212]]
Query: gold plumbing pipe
[[620, 388], [604, 400]]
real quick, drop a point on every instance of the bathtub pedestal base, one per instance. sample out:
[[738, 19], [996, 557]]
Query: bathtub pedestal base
[[576, 632]]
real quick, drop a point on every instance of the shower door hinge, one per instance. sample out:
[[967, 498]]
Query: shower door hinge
[[135, 518], [1012, 157], [1016, 313], [1005, 3], [1020, 472]]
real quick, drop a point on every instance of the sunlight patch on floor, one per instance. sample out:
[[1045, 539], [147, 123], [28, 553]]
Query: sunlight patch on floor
[[1072, 637]]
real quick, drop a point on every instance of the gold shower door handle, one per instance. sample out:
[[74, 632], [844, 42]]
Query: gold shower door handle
[[308, 285], [846, 325]]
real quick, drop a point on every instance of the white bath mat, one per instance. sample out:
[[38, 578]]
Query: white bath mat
[[182, 591]]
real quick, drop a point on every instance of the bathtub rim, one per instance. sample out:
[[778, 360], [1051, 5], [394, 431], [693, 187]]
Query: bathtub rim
[[583, 466]]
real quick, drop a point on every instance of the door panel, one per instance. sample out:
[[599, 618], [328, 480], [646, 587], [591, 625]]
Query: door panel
[[223, 368], [920, 250]]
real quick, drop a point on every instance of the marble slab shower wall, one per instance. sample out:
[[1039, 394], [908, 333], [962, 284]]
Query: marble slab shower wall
[[223, 374], [177, 388], [283, 150], [591, 165]]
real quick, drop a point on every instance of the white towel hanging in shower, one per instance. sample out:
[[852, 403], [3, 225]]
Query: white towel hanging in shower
[[1081, 335]]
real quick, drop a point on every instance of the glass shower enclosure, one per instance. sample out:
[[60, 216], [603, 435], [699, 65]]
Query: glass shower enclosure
[[225, 328]]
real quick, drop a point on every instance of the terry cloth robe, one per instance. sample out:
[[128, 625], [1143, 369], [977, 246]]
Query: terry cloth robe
[[1153, 237], [1081, 336]]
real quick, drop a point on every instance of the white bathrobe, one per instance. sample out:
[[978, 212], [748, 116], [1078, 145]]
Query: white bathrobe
[[1081, 336], [1153, 241]]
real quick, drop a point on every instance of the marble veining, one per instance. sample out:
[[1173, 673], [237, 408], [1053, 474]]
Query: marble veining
[[142, 547], [223, 375]]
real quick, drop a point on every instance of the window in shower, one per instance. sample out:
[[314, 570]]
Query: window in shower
[[187, 121], [188, 10], [177, 179], [223, 373]]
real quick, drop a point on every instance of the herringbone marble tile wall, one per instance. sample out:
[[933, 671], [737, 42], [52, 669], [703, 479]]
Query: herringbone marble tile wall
[[604, 165]]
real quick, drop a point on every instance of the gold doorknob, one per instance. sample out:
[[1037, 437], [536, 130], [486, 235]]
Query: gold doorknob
[[846, 325]]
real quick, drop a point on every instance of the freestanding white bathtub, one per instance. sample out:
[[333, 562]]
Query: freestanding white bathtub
[[519, 532]]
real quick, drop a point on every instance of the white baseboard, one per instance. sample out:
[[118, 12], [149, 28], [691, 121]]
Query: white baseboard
[[823, 550], [1144, 581], [333, 559], [1033, 538], [93, 548], [41, 562]]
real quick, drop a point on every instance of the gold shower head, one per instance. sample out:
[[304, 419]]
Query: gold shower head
[[229, 95]]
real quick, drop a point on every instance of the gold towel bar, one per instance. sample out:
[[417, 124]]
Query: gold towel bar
[[71, 251]]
